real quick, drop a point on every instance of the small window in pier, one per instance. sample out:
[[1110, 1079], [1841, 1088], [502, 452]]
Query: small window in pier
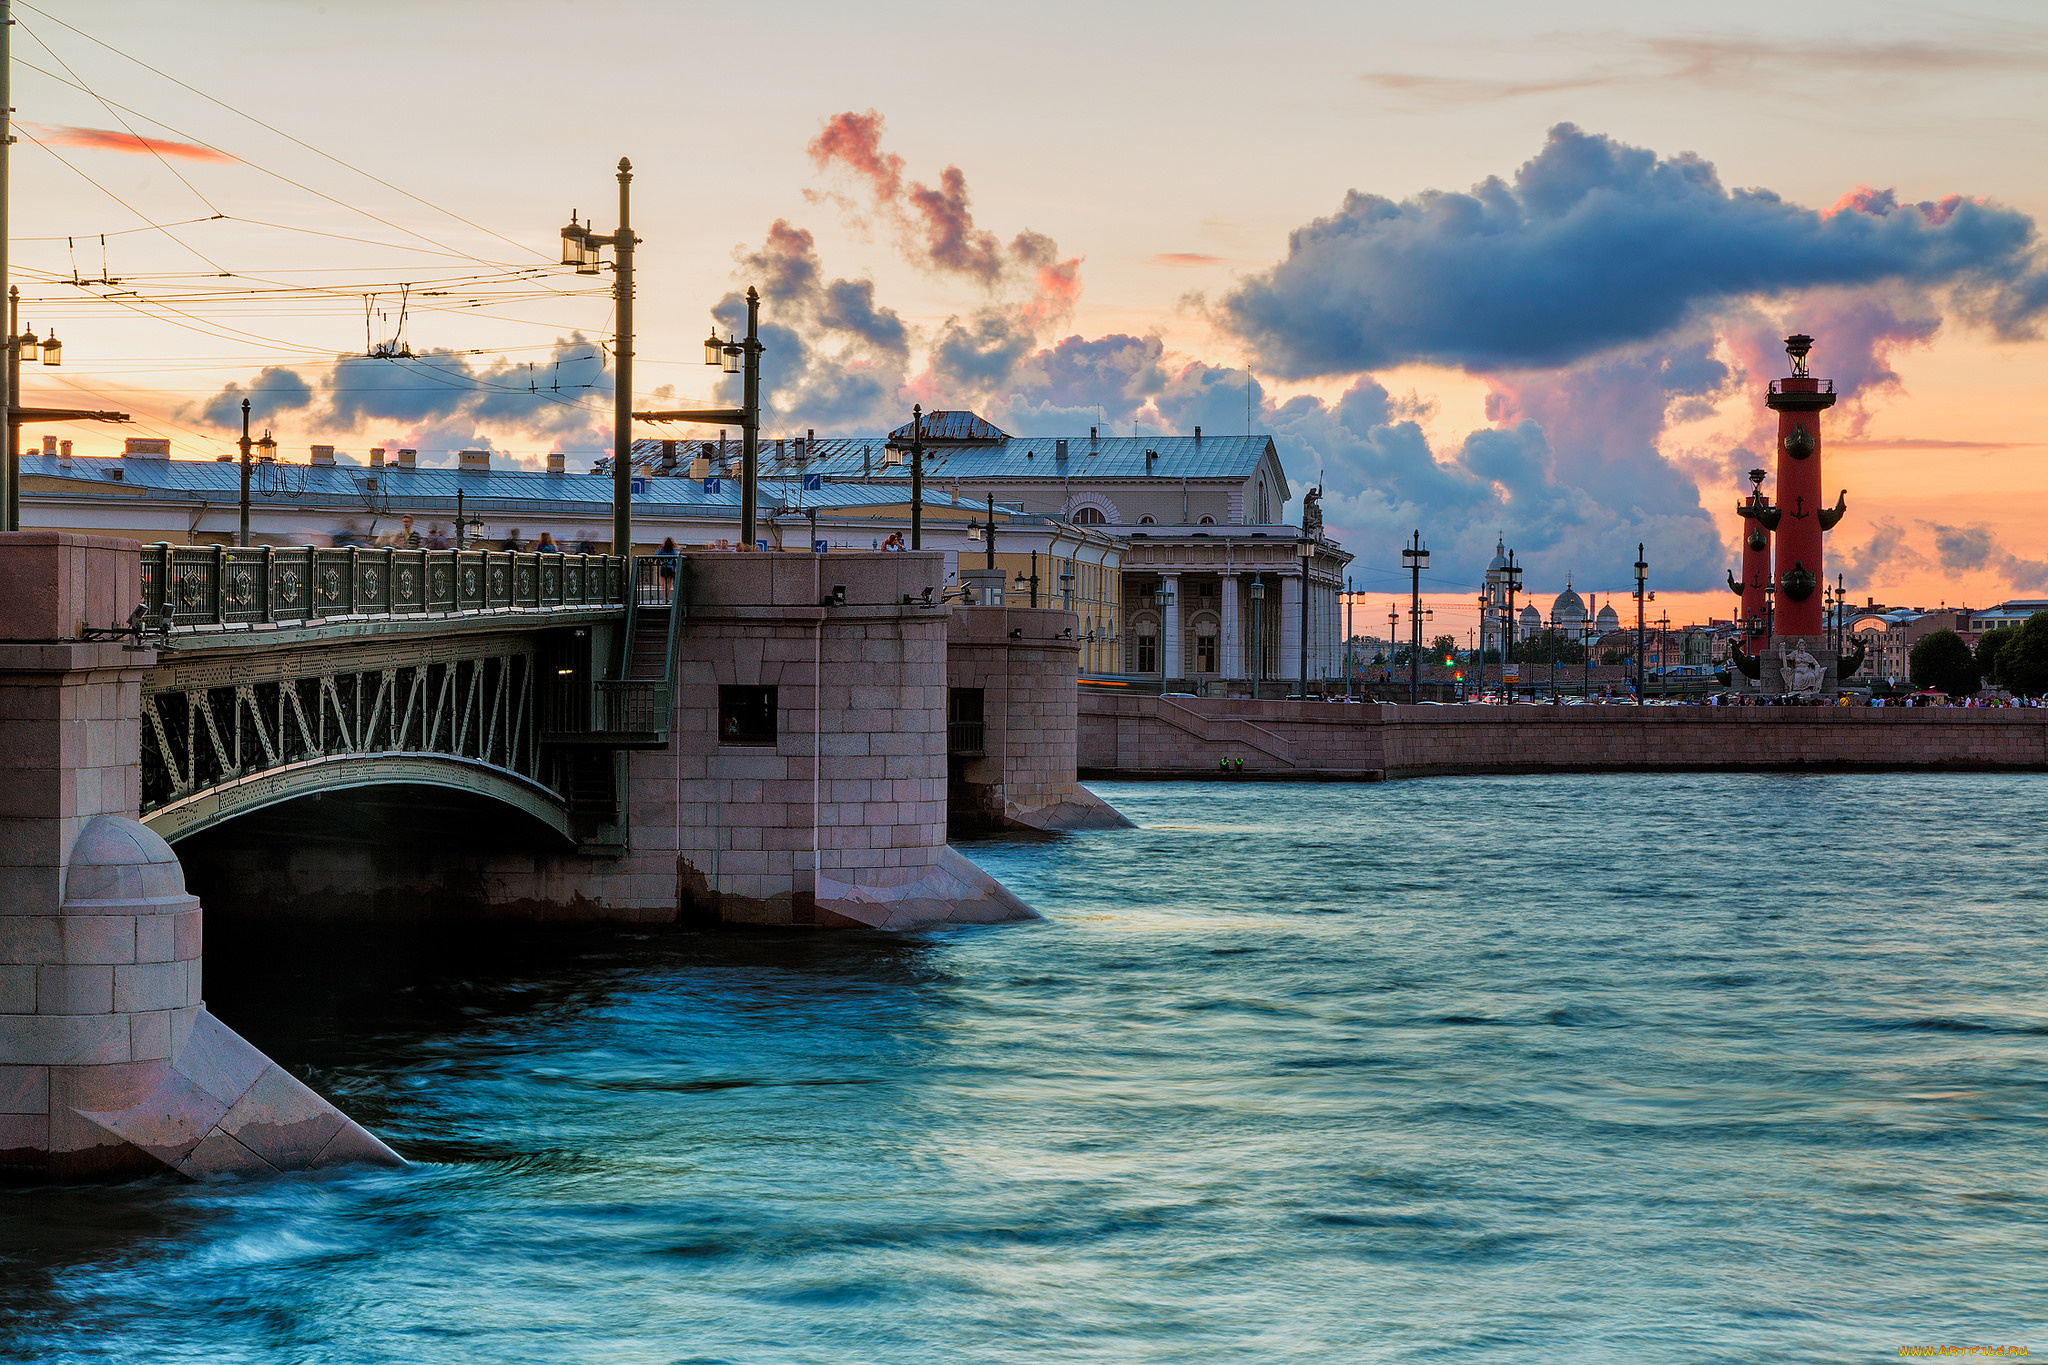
[[1205, 654], [746, 715]]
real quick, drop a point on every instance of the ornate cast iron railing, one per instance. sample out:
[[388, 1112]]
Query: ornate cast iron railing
[[187, 586]]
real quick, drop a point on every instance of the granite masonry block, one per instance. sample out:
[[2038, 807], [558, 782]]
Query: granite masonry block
[[98, 939], [64, 1040], [24, 1090], [75, 990]]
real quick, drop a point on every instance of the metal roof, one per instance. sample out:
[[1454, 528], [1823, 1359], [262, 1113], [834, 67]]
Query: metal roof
[[344, 487], [1034, 458], [942, 427]]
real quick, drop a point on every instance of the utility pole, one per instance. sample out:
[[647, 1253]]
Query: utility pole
[[1393, 634], [991, 530], [622, 386], [742, 358], [245, 444], [1415, 559], [1511, 579], [10, 463], [1347, 638], [1642, 578], [917, 476], [581, 248]]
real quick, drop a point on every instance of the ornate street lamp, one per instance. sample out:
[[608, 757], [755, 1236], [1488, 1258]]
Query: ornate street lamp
[[582, 249], [742, 357], [18, 343]]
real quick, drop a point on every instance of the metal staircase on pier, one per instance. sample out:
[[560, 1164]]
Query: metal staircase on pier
[[632, 708]]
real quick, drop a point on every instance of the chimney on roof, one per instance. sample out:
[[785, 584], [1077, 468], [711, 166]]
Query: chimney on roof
[[1198, 433], [1059, 449], [64, 454], [1091, 440], [668, 457], [558, 463], [147, 448], [473, 459], [49, 445], [408, 459], [322, 455], [376, 457]]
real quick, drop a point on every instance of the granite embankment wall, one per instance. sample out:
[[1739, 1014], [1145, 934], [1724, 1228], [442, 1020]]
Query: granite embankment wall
[[1162, 737]]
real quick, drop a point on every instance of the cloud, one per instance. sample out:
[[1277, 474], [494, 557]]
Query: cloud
[[1975, 549], [1573, 502], [1886, 553], [1186, 260], [107, 140], [1793, 70], [439, 399], [275, 389], [936, 227], [1594, 245], [833, 355]]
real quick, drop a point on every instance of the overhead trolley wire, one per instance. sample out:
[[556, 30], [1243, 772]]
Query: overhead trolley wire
[[523, 246]]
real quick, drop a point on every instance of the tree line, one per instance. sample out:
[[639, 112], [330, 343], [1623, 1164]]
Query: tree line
[[2012, 657]]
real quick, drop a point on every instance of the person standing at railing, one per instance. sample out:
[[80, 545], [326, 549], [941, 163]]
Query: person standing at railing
[[511, 541], [665, 565], [547, 544], [437, 539], [404, 538]]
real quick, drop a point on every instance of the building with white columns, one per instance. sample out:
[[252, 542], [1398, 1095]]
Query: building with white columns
[[1199, 516]]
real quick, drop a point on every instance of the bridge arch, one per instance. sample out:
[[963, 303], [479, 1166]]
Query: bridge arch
[[211, 806]]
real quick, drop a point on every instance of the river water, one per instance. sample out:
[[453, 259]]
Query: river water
[[1500, 1069]]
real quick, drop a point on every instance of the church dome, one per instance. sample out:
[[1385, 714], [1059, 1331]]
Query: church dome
[[1568, 607], [1500, 558], [1531, 618], [1608, 619]]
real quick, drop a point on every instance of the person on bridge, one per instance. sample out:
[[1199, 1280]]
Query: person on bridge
[[404, 538], [665, 565], [511, 541], [547, 544]]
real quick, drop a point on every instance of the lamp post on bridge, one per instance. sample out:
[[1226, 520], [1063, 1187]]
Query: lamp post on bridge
[[1415, 559], [581, 248], [741, 357], [20, 344], [269, 449]]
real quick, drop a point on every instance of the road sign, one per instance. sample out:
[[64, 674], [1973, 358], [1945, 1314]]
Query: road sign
[[712, 484], [814, 483]]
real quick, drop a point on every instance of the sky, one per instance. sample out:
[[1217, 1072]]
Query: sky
[[1484, 271]]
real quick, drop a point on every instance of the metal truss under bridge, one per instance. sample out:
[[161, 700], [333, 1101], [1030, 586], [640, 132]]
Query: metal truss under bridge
[[285, 672]]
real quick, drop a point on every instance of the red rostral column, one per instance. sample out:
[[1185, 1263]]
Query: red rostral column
[[1799, 400], [1759, 519]]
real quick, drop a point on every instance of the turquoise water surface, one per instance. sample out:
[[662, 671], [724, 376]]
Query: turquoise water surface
[[1583, 1068]]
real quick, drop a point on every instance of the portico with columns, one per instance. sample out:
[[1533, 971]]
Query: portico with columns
[[1194, 622]]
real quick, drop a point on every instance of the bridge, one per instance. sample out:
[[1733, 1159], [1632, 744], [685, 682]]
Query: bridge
[[286, 672], [759, 739]]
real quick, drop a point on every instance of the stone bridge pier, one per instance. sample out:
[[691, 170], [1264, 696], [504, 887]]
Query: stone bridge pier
[[109, 1061]]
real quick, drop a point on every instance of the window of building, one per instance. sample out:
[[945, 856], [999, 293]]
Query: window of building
[[1144, 521], [1089, 516], [746, 715], [1148, 649], [1205, 654], [1207, 521]]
